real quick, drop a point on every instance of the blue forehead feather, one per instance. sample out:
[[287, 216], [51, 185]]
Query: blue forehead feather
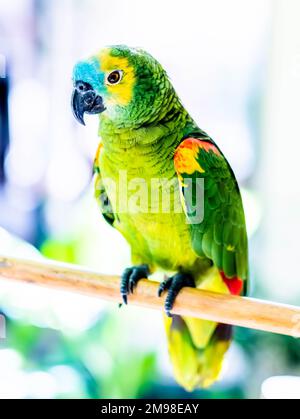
[[89, 72]]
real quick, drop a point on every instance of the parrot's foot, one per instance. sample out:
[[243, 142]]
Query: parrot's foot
[[173, 285], [130, 278]]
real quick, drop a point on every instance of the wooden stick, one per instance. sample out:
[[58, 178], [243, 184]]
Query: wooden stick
[[238, 311]]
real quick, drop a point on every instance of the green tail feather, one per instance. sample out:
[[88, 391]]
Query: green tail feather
[[197, 350]]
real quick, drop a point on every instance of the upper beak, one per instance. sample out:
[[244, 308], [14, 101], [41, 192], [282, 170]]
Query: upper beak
[[85, 100]]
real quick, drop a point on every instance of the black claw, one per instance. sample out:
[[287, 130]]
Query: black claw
[[134, 279], [165, 285], [174, 285], [124, 284], [130, 278]]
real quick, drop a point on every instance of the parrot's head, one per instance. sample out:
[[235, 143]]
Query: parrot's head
[[126, 85]]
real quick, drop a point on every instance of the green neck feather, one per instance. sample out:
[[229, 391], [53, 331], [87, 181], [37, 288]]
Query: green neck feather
[[163, 127]]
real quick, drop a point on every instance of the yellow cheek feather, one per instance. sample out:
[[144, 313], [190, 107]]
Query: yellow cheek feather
[[121, 93]]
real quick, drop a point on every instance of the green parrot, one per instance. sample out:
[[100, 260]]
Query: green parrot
[[152, 151]]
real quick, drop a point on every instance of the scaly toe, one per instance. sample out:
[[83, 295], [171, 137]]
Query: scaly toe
[[178, 282], [164, 286], [130, 278]]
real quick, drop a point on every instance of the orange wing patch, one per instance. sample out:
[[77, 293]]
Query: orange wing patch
[[185, 158]]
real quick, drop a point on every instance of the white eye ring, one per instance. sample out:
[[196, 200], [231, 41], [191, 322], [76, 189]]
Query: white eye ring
[[114, 77]]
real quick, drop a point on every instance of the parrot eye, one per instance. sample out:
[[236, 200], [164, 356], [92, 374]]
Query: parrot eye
[[114, 77]]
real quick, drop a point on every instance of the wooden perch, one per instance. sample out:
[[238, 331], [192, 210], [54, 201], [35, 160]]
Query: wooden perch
[[238, 311]]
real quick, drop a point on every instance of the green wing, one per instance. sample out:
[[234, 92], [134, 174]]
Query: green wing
[[102, 198], [221, 233]]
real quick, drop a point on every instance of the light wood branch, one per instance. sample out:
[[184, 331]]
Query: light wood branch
[[238, 311]]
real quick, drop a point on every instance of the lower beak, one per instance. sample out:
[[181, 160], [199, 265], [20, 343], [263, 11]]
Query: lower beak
[[85, 100]]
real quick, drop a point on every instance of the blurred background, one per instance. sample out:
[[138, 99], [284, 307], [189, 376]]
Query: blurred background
[[236, 66]]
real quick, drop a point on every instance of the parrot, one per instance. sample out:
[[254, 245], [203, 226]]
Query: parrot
[[152, 151]]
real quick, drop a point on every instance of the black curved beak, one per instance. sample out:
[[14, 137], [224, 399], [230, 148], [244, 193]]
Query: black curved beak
[[85, 100]]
